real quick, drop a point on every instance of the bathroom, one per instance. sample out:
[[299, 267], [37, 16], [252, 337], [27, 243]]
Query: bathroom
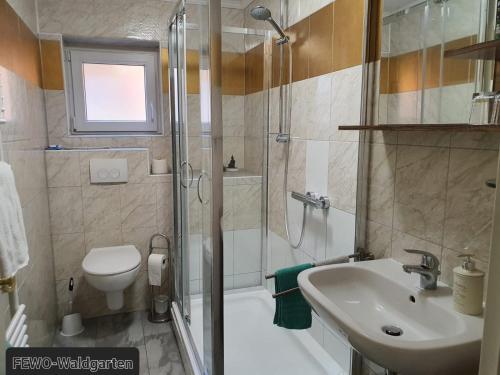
[[171, 158]]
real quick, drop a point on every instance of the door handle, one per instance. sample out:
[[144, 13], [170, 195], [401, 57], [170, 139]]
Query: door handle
[[200, 197], [185, 162]]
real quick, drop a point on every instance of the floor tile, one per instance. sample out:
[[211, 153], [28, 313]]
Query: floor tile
[[143, 361], [154, 328], [158, 350], [121, 330], [163, 355]]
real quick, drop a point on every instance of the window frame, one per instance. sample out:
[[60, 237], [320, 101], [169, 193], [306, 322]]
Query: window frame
[[77, 56]]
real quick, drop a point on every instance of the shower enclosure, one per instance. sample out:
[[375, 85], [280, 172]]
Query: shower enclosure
[[198, 166], [222, 312]]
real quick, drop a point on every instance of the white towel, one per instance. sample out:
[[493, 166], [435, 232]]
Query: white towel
[[13, 243]]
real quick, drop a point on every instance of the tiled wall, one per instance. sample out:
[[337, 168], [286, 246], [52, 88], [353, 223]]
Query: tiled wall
[[242, 233], [326, 92], [85, 216], [427, 191], [148, 21], [23, 138]]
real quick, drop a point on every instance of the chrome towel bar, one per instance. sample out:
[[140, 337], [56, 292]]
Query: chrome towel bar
[[339, 260]]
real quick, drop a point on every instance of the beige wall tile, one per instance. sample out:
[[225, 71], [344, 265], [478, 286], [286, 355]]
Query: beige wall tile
[[382, 176], [419, 138], [311, 101], [228, 208], [469, 203], [69, 252], [476, 140], [420, 191], [103, 238], [297, 166], [378, 239], [101, 207], [247, 204], [138, 206], [233, 110], [66, 210], [63, 168], [342, 175], [346, 100]]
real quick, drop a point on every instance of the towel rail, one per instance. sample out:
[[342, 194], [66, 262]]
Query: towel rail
[[8, 285], [339, 260]]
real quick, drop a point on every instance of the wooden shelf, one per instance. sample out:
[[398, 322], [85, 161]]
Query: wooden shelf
[[479, 51], [425, 127]]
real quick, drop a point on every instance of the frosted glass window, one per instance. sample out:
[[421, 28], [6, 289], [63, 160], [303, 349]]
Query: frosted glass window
[[114, 92]]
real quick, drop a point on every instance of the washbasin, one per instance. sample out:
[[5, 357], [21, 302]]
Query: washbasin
[[387, 317]]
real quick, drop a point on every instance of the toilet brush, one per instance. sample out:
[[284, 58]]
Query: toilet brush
[[70, 302], [72, 322]]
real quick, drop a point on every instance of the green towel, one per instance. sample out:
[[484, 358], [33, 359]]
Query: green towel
[[292, 310]]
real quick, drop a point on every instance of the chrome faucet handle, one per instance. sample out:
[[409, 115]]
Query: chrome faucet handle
[[429, 260]]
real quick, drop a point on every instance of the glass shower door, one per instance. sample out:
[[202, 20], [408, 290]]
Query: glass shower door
[[195, 102], [177, 69]]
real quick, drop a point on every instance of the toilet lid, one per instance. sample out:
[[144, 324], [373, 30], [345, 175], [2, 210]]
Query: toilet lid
[[111, 260]]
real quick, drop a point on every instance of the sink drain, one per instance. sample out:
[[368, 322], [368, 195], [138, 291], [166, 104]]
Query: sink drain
[[392, 330]]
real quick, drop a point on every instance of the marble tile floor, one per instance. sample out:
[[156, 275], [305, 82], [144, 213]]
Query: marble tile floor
[[158, 350]]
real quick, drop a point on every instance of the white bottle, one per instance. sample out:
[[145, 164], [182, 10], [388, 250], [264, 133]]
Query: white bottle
[[468, 287]]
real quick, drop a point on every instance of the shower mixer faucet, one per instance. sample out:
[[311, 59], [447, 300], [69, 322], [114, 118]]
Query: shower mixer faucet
[[314, 200]]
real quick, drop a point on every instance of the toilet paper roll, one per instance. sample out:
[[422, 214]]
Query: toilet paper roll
[[157, 263], [159, 166]]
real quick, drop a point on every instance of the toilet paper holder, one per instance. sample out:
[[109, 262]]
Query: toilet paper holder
[[154, 315]]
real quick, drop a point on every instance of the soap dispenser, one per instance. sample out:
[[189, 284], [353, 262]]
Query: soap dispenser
[[468, 287]]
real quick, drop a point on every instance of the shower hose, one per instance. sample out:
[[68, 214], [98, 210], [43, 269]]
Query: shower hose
[[286, 119]]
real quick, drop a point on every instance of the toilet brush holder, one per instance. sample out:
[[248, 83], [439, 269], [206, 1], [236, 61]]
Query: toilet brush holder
[[72, 325], [160, 308]]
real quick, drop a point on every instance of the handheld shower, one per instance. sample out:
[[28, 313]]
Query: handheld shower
[[261, 13]]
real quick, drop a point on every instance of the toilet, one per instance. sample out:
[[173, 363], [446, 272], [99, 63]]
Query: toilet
[[112, 270]]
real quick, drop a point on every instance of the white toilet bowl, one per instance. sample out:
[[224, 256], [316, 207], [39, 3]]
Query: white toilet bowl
[[112, 270]]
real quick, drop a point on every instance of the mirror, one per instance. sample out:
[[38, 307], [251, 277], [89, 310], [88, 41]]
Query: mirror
[[417, 83]]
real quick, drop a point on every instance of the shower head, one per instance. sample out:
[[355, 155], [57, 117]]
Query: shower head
[[261, 13]]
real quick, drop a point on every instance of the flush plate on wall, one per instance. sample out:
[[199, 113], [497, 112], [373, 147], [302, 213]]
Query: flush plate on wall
[[105, 171]]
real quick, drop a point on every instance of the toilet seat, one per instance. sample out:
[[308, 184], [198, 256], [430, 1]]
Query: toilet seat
[[107, 261]]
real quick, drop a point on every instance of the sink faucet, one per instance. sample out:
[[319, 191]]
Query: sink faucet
[[428, 269]]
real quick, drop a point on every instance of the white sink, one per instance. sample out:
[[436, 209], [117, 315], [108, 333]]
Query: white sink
[[358, 299]]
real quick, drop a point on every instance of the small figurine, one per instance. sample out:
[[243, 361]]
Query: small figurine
[[231, 167]]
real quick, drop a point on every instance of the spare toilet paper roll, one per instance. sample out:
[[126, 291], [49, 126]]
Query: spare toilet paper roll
[[156, 265], [159, 166]]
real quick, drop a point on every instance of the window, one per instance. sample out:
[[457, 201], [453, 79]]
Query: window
[[113, 90]]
